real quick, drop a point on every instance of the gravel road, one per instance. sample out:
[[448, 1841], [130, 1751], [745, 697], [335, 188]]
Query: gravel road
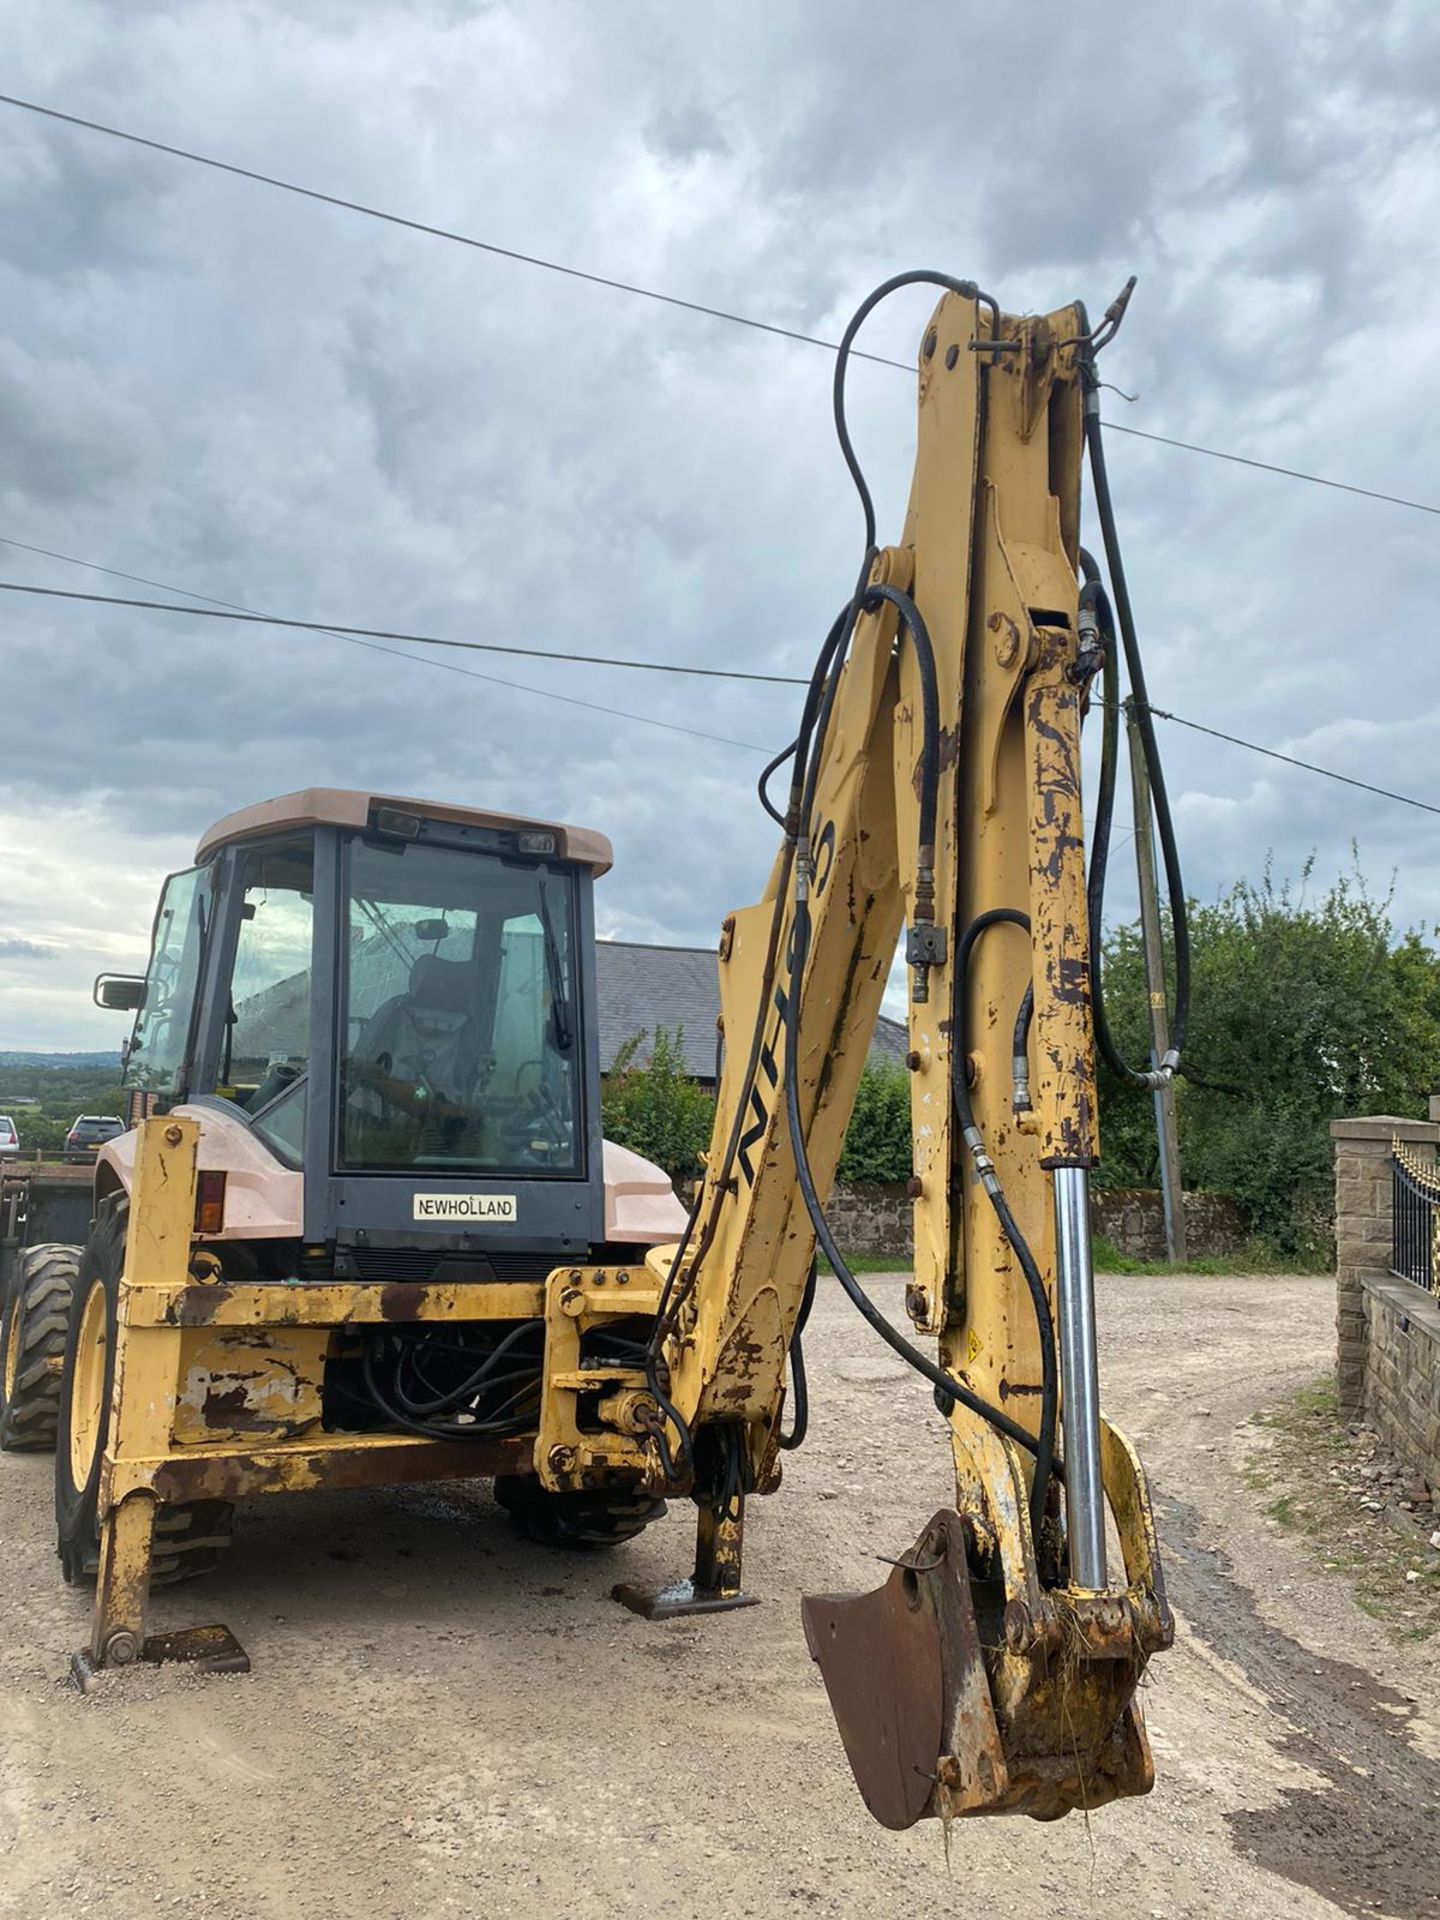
[[445, 1721]]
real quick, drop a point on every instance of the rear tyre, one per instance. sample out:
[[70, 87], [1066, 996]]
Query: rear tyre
[[32, 1346], [188, 1535], [588, 1520]]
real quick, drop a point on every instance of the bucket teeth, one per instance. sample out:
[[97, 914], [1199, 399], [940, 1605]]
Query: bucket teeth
[[949, 1704]]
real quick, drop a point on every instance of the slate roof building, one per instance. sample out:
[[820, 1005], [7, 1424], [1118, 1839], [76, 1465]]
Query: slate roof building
[[640, 988]]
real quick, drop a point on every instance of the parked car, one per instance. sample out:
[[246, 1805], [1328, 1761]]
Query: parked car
[[89, 1134], [9, 1139]]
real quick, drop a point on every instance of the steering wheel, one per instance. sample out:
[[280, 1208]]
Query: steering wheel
[[541, 1101], [524, 1068], [404, 1097]]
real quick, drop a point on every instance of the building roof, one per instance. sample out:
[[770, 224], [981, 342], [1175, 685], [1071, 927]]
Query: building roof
[[337, 806], [640, 988]]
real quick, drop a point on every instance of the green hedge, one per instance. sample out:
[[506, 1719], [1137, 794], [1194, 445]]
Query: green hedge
[[1306, 1009], [657, 1110], [877, 1145]]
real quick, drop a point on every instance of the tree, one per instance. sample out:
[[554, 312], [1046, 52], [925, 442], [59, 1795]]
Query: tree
[[877, 1142], [657, 1109], [1313, 1011]]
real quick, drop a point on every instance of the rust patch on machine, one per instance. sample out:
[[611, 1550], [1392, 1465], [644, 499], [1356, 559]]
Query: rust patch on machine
[[300, 1469], [199, 1306], [949, 753], [1064, 1043], [262, 1382], [402, 1299]]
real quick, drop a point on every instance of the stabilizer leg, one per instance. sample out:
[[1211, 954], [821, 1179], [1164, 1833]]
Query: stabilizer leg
[[715, 1585], [122, 1589]]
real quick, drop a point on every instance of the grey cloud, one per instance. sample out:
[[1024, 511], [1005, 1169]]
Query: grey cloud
[[14, 948], [64, 434], [284, 405], [686, 131]]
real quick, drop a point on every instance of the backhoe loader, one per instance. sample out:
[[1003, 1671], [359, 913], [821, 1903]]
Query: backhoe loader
[[372, 1233]]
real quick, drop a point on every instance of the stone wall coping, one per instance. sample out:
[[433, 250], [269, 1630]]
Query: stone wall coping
[[1420, 1308], [1385, 1126]]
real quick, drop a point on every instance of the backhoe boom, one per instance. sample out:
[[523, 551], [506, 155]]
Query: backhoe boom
[[935, 786]]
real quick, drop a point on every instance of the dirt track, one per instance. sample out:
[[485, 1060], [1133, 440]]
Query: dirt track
[[445, 1721]]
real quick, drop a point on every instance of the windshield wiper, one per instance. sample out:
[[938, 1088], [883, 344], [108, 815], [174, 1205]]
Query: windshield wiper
[[555, 967]]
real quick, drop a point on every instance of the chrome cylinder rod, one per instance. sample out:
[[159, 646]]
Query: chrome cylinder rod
[[1079, 1378]]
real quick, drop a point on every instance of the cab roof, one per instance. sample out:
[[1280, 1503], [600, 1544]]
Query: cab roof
[[341, 807]]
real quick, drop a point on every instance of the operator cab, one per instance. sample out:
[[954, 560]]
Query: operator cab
[[397, 998]]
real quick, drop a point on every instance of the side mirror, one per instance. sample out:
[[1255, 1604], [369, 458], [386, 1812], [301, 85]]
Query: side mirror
[[120, 992]]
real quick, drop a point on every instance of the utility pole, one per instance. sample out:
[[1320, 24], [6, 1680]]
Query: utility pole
[[1166, 1135]]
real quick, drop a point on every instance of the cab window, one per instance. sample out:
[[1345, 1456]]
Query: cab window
[[158, 1052], [266, 1044], [460, 1007]]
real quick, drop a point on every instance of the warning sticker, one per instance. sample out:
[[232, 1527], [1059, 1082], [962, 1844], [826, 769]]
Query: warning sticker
[[465, 1206], [973, 1346]]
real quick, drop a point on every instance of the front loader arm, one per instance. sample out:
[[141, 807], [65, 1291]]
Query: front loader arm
[[937, 786]]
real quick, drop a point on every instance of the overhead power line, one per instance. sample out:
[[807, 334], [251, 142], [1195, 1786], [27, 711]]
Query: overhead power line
[[1267, 466], [440, 233], [642, 293], [1289, 760], [213, 609], [415, 639], [208, 610]]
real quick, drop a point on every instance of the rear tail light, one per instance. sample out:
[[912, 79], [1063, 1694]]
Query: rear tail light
[[210, 1203]]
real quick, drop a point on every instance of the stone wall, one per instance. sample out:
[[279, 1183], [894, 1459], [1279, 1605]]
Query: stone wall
[[1132, 1219], [1362, 1231], [1388, 1329], [875, 1220], [1401, 1390]]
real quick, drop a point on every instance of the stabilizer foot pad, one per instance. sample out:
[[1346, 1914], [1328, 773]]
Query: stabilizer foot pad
[[206, 1649], [683, 1597]]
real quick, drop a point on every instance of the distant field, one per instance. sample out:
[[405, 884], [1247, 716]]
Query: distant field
[[62, 1085], [49, 1062]]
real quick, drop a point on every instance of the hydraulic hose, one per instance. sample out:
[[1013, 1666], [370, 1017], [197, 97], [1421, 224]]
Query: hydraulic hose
[[944, 1383], [1169, 852], [807, 753], [920, 641], [1020, 1051], [495, 1425], [799, 1386], [921, 276], [762, 785], [868, 595], [1104, 819], [990, 1181], [819, 697], [449, 1399]]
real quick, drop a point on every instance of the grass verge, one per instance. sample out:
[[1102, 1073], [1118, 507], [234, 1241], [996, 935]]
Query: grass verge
[[871, 1263], [1256, 1256], [1310, 1475]]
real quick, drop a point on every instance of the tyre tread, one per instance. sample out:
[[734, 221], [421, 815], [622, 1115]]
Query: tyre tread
[[586, 1520], [44, 1285], [189, 1535]]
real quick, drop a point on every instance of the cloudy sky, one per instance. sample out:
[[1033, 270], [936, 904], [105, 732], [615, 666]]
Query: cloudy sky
[[280, 404]]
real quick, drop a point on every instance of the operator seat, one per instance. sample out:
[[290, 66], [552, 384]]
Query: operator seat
[[427, 1035]]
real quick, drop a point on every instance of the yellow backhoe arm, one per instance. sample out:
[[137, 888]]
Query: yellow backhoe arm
[[936, 784]]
